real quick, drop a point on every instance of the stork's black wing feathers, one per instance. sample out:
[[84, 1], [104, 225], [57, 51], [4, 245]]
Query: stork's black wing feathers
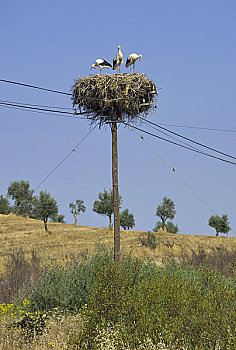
[[128, 61], [114, 63], [105, 64]]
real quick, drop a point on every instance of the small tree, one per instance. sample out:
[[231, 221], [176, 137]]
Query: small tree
[[105, 205], [171, 227], [59, 218], [127, 219], [166, 210], [158, 226], [149, 241], [5, 207], [220, 224], [20, 192], [77, 208], [45, 207]]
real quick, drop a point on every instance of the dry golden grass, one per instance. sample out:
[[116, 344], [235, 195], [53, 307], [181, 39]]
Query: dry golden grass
[[65, 242]]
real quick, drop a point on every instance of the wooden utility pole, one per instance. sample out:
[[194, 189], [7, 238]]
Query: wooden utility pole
[[115, 194]]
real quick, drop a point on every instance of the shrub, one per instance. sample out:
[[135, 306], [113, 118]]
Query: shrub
[[175, 305], [19, 273], [65, 287], [221, 259], [179, 306], [149, 241]]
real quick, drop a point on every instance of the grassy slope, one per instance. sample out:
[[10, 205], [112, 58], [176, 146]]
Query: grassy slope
[[68, 241]]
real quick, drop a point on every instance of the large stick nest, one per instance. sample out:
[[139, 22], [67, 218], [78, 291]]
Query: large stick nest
[[114, 96]]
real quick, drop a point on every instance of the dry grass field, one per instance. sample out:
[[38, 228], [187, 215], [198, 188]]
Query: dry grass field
[[65, 242]]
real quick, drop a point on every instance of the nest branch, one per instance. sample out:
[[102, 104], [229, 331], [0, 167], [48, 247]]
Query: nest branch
[[114, 97]]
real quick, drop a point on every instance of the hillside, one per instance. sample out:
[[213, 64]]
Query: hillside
[[66, 242]]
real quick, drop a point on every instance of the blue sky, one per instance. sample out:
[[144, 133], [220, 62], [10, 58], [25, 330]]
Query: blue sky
[[188, 50]]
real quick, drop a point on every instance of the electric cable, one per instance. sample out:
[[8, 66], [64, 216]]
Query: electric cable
[[176, 173], [47, 113], [174, 138], [197, 127], [188, 139], [36, 105], [70, 94], [35, 87], [177, 144], [40, 109], [52, 171]]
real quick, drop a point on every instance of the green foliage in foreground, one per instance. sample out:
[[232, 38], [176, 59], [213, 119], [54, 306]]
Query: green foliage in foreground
[[180, 306]]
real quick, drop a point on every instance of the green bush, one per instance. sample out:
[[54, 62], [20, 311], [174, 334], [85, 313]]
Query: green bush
[[172, 305], [180, 306], [149, 240], [65, 287]]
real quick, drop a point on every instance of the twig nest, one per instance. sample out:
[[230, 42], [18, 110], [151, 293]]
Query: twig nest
[[114, 96]]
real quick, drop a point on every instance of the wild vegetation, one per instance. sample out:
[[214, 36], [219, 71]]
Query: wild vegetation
[[64, 291], [136, 305]]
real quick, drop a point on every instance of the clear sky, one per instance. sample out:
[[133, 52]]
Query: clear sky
[[188, 50]]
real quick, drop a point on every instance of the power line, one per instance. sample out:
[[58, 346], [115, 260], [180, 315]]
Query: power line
[[70, 94], [40, 109], [35, 105], [177, 144], [180, 177], [188, 139], [35, 87], [52, 171], [197, 127], [50, 111], [43, 110], [174, 138], [73, 150], [47, 113]]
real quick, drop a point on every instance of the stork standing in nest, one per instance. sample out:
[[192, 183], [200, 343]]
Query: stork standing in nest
[[118, 60], [101, 64], [131, 60]]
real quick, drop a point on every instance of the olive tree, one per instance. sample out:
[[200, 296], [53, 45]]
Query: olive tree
[[76, 208], [220, 224], [20, 192], [166, 210], [104, 205], [170, 227], [45, 207], [127, 219], [5, 207]]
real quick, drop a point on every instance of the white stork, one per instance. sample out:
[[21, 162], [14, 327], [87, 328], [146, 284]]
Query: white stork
[[101, 64], [132, 59], [118, 60]]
